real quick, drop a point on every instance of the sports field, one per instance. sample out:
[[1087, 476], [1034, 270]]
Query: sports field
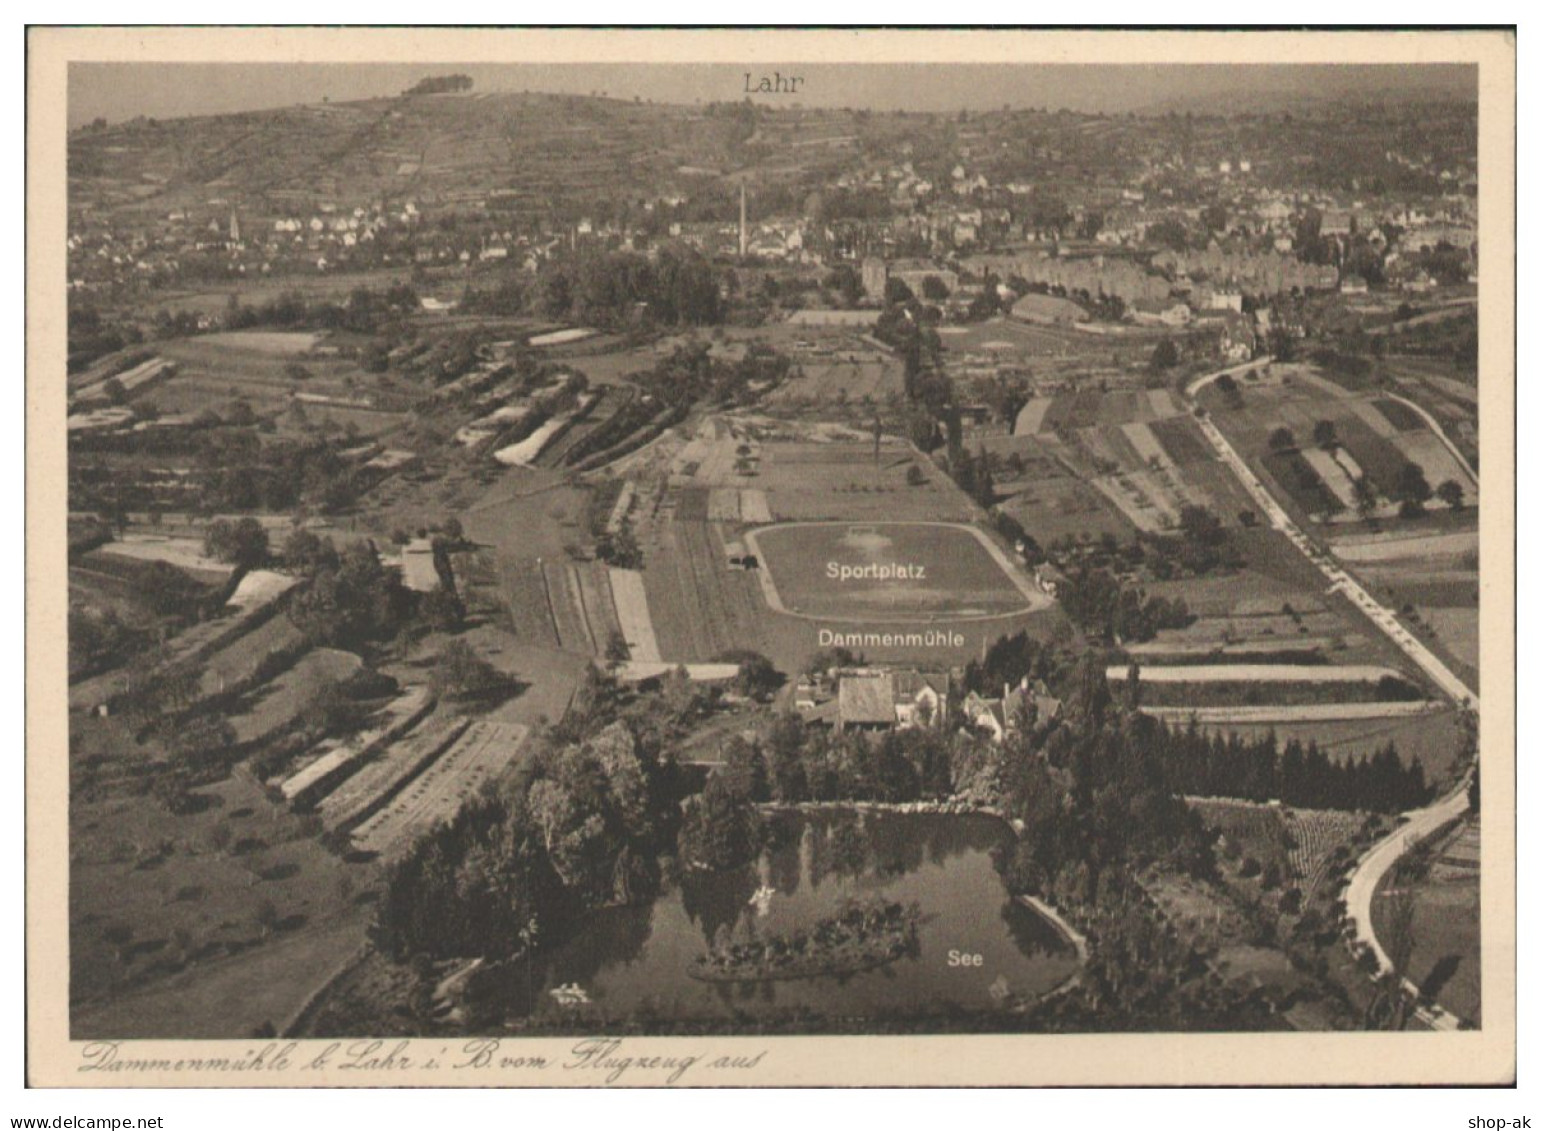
[[918, 571]]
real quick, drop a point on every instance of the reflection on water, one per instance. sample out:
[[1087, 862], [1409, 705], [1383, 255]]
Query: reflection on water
[[976, 944]]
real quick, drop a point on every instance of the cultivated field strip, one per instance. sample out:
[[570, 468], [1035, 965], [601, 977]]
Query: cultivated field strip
[[598, 602], [584, 422], [524, 593], [1117, 462], [1259, 673], [1182, 441], [1456, 390], [693, 504], [1380, 458], [132, 380], [714, 461], [1347, 462], [377, 781], [572, 628], [622, 507], [1396, 545], [725, 607], [754, 507], [844, 380], [485, 750], [1030, 419], [184, 553], [1373, 417], [1162, 651], [722, 505], [1161, 404], [632, 614], [1332, 473], [1213, 481], [676, 616], [1296, 713], [239, 658], [1095, 448], [1133, 504], [1402, 418], [702, 607], [1116, 440], [1461, 857], [1147, 448], [1425, 449], [693, 550], [205, 639]]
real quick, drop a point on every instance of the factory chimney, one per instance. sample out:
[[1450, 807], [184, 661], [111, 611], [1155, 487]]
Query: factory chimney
[[743, 222]]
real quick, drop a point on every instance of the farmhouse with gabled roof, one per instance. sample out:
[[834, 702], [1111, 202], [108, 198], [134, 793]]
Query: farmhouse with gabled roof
[[874, 699]]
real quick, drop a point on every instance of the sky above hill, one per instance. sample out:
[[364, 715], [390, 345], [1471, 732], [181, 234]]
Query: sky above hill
[[119, 91]]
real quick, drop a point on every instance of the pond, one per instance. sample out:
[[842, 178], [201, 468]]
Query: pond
[[974, 943]]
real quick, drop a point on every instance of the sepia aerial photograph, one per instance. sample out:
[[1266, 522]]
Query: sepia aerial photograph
[[667, 549]]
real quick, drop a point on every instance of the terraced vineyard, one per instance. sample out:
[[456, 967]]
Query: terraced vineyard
[[1313, 836], [1300, 841]]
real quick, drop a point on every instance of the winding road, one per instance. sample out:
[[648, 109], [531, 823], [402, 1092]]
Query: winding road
[[1417, 824], [1359, 895]]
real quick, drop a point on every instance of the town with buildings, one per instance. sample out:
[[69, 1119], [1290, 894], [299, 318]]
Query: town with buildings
[[551, 563]]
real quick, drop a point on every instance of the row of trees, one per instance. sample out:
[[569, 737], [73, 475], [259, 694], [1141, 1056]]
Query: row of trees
[[1300, 774]]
